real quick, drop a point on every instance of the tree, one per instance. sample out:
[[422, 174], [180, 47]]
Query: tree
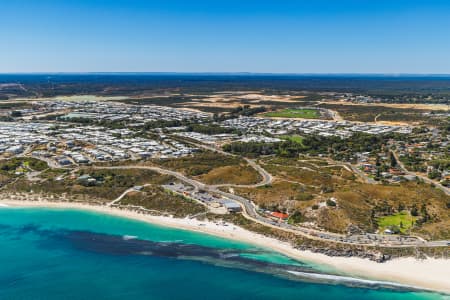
[[394, 229], [331, 203], [414, 211], [393, 160], [378, 174], [434, 174], [16, 113], [296, 217], [378, 161], [424, 213]]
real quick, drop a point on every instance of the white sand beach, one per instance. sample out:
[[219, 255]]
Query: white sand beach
[[433, 274]]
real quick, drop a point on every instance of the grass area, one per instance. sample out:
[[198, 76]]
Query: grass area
[[294, 113], [293, 138], [401, 221]]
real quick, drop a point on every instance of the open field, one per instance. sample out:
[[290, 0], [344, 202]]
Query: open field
[[228, 100], [294, 113], [294, 138]]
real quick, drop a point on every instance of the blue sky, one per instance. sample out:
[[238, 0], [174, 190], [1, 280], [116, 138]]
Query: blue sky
[[283, 36]]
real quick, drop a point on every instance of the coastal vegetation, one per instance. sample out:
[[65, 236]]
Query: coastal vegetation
[[375, 253], [213, 168], [102, 185], [159, 200], [22, 164], [306, 185]]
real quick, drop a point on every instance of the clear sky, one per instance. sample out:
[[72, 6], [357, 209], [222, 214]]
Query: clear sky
[[282, 36]]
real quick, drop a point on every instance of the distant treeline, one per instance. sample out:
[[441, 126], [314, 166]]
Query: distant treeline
[[49, 85], [89, 121]]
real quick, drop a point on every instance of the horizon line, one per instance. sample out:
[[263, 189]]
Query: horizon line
[[231, 73]]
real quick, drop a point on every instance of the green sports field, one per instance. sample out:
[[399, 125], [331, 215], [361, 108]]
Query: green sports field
[[294, 113]]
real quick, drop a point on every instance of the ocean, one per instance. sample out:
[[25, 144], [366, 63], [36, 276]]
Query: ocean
[[73, 254]]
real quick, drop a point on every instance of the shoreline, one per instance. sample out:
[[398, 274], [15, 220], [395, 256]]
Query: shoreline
[[430, 274]]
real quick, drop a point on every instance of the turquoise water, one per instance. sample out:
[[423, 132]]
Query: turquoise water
[[72, 254]]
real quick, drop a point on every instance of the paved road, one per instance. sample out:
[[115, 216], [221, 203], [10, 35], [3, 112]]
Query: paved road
[[424, 178], [361, 174]]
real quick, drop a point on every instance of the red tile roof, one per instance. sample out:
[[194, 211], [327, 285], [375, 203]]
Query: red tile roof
[[279, 215]]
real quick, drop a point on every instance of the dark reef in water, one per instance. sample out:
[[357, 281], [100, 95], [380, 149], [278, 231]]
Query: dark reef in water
[[107, 244], [117, 245]]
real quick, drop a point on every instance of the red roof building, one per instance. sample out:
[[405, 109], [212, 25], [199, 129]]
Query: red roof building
[[279, 215]]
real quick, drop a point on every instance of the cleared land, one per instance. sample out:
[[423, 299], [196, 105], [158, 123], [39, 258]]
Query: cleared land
[[388, 114], [421, 106]]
